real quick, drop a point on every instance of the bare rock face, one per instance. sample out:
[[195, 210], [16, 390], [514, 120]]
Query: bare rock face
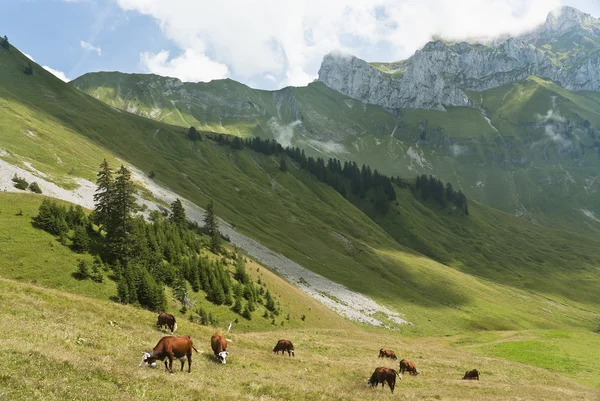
[[439, 74]]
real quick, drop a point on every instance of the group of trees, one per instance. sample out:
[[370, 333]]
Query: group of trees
[[348, 179], [351, 181], [22, 184], [60, 221], [433, 188], [147, 255]]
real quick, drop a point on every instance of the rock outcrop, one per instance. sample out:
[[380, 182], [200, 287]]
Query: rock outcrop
[[440, 74]]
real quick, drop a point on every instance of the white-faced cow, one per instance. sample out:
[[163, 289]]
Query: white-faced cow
[[284, 345], [171, 347], [218, 343], [166, 319]]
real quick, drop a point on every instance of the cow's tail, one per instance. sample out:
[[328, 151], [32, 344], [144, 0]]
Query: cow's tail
[[228, 340], [175, 326], [195, 349], [397, 374]]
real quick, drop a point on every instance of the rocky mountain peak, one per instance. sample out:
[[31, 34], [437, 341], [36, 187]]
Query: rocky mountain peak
[[563, 19]]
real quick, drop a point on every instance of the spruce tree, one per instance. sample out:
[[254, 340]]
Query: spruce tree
[[81, 240], [237, 307], [283, 164], [178, 216], [211, 228], [247, 313], [5, 43], [120, 223], [103, 195]]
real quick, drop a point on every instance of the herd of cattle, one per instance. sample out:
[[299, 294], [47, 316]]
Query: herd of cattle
[[386, 375], [180, 347]]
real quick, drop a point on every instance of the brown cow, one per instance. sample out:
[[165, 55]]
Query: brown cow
[[284, 345], [471, 375], [387, 353], [218, 344], [408, 366], [171, 347], [382, 375], [166, 319]]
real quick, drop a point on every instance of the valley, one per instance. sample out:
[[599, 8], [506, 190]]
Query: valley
[[507, 284]]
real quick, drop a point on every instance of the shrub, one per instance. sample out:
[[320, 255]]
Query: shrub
[[20, 183], [28, 69], [83, 270], [34, 187]]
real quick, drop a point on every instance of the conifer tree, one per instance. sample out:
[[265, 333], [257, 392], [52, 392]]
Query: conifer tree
[[178, 216], [247, 313], [283, 164], [211, 228], [103, 195], [5, 43], [120, 222], [81, 240]]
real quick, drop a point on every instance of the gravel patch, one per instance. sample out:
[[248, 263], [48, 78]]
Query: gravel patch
[[347, 303]]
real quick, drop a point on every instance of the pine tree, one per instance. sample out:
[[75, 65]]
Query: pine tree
[[211, 228], [103, 195], [237, 307], [283, 164], [120, 224], [178, 216], [28, 69], [270, 303], [5, 43], [193, 134], [83, 270], [81, 240], [247, 313], [96, 274]]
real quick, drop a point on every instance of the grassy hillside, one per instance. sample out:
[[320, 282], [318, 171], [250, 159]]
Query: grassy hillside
[[31, 255], [74, 352], [310, 223], [502, 155]]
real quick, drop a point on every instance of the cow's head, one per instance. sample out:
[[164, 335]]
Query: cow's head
[[222, 357], [148, 360]]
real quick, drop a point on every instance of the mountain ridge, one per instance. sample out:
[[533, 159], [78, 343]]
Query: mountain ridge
[[439, 74]]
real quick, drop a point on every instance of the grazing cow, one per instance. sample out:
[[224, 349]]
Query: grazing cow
[[284, 345], [408, 366], [471, 375], [168, 320], [387, 353], [218, 344], [171, 347], [382, 375]]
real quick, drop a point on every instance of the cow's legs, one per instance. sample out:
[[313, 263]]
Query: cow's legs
[[166, 365], [170, 355], [182, 363], [189, 357], [392, 384]]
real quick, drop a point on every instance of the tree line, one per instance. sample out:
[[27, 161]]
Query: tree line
[[350, 180]]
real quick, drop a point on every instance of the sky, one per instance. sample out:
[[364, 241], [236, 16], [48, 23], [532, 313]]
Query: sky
[[265, 44]]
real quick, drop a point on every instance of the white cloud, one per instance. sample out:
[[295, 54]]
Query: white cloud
[[89, 47], [190, 66], [287, 39], [58, 74], [28, 56]]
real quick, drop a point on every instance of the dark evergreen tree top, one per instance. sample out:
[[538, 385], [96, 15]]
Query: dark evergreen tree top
[[104, 192], [178, 216]]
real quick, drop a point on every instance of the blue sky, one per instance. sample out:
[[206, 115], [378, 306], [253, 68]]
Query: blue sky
[[263, 43]]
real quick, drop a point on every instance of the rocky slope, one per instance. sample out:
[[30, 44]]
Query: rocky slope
[[565, 49]]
